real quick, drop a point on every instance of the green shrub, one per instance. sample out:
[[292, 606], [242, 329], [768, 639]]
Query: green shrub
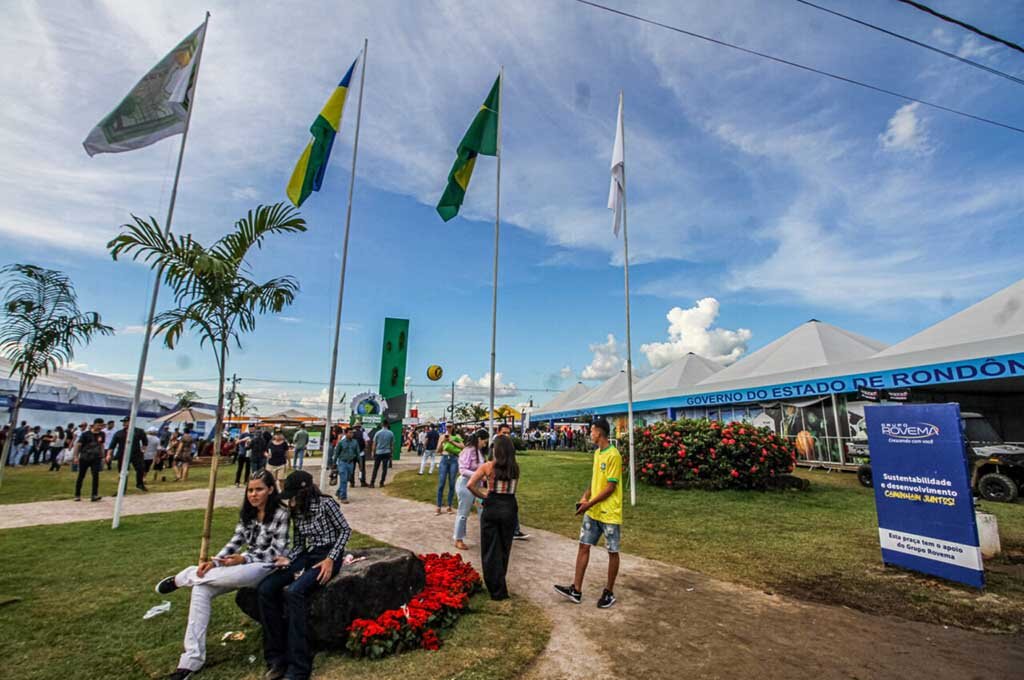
[[710, 455]]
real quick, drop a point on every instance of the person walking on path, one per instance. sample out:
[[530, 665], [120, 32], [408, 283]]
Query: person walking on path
[[115, 450], [277, 461], [183, 457], [151, 451], [383, 444], [244, 467], [471, 458], [300, 440], [450, 446], [262, 528], [430, 439], [258, 450], [57, 447], [319, 536], [360, 437], [498, 518], [601, 506], [88, 457], [345, 455]]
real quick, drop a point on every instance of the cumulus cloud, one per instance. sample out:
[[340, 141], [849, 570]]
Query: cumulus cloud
[[906, 131], [690, 330], [608, 360], [565, 372], [467, 386]]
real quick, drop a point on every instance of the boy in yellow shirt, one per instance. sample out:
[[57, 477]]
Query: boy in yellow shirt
[[601, 507]]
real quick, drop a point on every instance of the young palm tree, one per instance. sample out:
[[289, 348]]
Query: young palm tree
[[40, 328], [213, 294], [186, 399]]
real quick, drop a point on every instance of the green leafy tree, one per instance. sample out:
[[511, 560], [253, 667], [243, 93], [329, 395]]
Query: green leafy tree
[[470, 411], [40, 328], [186, 399], [214, 295], [240, 404]]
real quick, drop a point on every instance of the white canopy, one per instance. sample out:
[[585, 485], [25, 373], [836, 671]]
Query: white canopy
[[809, 345], [65, 388], [607, 392], [998, 316], [570, 395], [291, 414], [677, 376]]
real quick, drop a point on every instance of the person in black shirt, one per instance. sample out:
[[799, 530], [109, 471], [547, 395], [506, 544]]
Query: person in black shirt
[[277, 461], [115, 450], [89, 457]]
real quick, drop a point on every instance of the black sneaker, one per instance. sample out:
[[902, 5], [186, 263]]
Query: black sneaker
[[96, 498], [570, 593], [520, 536], [144, 489], [166, 587], [182, 674], [607, 599], [78, 498]]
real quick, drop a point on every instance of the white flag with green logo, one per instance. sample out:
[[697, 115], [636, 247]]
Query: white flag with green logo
[[156, 107]]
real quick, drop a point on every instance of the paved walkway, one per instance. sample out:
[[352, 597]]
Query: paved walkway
[[669, 622]]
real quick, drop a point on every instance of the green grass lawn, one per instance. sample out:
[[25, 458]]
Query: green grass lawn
[[84, 589], [820, 544], [30, 483]]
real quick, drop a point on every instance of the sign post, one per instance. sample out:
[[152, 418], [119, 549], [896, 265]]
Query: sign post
[[922, 486]]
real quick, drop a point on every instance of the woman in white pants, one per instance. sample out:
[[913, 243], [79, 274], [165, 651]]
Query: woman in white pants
[[263, 528], [470, 459]]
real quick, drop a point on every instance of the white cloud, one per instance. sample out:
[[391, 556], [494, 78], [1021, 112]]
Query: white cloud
[[132, 329], [245, 193], [288, 319], [468, 387], [565, 372], [690, 330], [906, 131], [607, 361]]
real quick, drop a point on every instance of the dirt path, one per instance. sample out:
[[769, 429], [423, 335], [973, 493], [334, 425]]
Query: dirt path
[[669, 622]]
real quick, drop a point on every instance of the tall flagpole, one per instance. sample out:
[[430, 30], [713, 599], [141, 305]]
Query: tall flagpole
[[137, 396], [497, 233], [629, 340], [341, 285]]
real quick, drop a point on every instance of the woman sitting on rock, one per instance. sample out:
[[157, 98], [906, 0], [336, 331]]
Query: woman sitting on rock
[[263, 528], [318, 545]]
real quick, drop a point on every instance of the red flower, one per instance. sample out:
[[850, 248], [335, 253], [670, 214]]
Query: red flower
[[661, 473], [696, 471], [734, 473]]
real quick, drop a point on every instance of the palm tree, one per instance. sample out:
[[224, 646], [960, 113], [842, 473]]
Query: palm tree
[[240, 404], [214, 295], [40, 327]]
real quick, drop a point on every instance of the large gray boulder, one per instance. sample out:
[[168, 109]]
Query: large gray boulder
[[386, 579]]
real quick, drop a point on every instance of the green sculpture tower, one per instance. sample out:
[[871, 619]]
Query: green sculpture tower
[[392, 375]]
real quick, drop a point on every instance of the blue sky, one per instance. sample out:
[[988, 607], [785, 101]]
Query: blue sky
[[760, 196]]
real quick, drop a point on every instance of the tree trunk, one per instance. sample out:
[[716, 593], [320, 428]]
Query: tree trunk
[[204, 547], [15, 412]]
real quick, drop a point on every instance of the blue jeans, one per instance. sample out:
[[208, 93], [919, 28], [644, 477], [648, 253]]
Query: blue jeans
[[466, 501], [286, 643], [448, 470], [346, 471], [300, 453]]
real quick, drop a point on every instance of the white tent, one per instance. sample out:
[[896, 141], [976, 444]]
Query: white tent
[[607, 392], [999, 316], [570, 395], [66, 396], [809, 345], [291, 414], [679, 375]]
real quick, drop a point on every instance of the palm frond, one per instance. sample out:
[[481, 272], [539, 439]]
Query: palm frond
[[254, 227]]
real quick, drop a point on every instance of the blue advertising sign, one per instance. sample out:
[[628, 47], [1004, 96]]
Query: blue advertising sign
[[923, 491]]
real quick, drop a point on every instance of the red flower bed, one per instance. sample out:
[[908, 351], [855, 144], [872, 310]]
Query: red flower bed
[[450, 582], [711, 455]]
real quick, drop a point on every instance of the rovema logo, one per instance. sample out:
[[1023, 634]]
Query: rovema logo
[[910, 430]]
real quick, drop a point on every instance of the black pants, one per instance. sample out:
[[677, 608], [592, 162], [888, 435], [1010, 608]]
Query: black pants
[[379, 459], [243, 463], [55, 458], [286, 642], [83, 467], [497, 524]]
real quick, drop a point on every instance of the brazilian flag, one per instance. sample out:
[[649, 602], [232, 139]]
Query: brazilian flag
[[480, 139], [308, 174]]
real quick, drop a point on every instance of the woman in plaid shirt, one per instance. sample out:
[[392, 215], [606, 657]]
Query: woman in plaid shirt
[[263, 528], [318, 547]]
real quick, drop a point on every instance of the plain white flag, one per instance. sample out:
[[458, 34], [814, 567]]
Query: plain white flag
[[616, 192]]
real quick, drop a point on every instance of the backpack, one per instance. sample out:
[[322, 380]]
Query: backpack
[[90, 451]]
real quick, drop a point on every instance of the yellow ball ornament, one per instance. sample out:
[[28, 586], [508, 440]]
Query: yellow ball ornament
[[434, 372]]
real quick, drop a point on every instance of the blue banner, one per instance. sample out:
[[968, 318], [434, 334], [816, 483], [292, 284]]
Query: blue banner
[[923, 491]]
